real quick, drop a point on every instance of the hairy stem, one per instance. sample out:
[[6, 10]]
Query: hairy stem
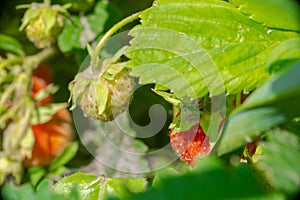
[[33, 61], [109, 33]]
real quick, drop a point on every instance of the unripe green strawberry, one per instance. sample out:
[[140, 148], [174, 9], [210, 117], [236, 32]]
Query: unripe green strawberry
[[103, 97], [43, 24]]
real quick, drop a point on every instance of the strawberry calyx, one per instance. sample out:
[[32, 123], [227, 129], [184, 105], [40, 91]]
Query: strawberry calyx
[[103, 91]]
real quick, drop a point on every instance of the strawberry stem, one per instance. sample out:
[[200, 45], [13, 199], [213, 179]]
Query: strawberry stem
[[33, 61], [109, 33], [238, 99]]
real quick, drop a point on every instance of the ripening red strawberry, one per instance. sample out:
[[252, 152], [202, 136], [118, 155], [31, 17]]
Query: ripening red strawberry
[[190, 144]]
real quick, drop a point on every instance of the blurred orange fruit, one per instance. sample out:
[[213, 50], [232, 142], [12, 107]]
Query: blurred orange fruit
[[53, 136], [50, 139]]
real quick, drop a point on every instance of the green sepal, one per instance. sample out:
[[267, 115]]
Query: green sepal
[[101, 95], [49, 18], [29, 15], [43, 114]]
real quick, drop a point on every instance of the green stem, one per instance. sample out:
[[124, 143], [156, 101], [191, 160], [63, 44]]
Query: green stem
[[109, 33], [238, 98], [47, 3], [6, 94], [33, 61], [17, 60]]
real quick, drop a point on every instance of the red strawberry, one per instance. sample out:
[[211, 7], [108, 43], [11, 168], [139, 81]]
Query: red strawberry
[[190, 144]]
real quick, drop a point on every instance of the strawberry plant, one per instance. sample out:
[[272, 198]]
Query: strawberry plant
[[165, 99]]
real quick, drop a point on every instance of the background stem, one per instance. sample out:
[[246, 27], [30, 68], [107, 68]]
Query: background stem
[[47, 3], [109, 33]]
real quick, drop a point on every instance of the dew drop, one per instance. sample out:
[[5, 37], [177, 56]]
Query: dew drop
[[246, 92], [248, 139]]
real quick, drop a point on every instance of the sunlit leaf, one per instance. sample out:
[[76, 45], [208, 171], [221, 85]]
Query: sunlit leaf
[[193, 47], [26, 191], [91, 187], [284, 55], [279, 14]]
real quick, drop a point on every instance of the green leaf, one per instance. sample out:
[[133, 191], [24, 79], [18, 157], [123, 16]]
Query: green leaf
[[43, 114], [10, 192], [67, 155], [280, 160], [191, 47], [168, 172], [272, 104], [91, 187], [83, 29], [168, 97], [11, 45], [35, 174], [284, 55], [279, 14], [209, 180], [26, 191]]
